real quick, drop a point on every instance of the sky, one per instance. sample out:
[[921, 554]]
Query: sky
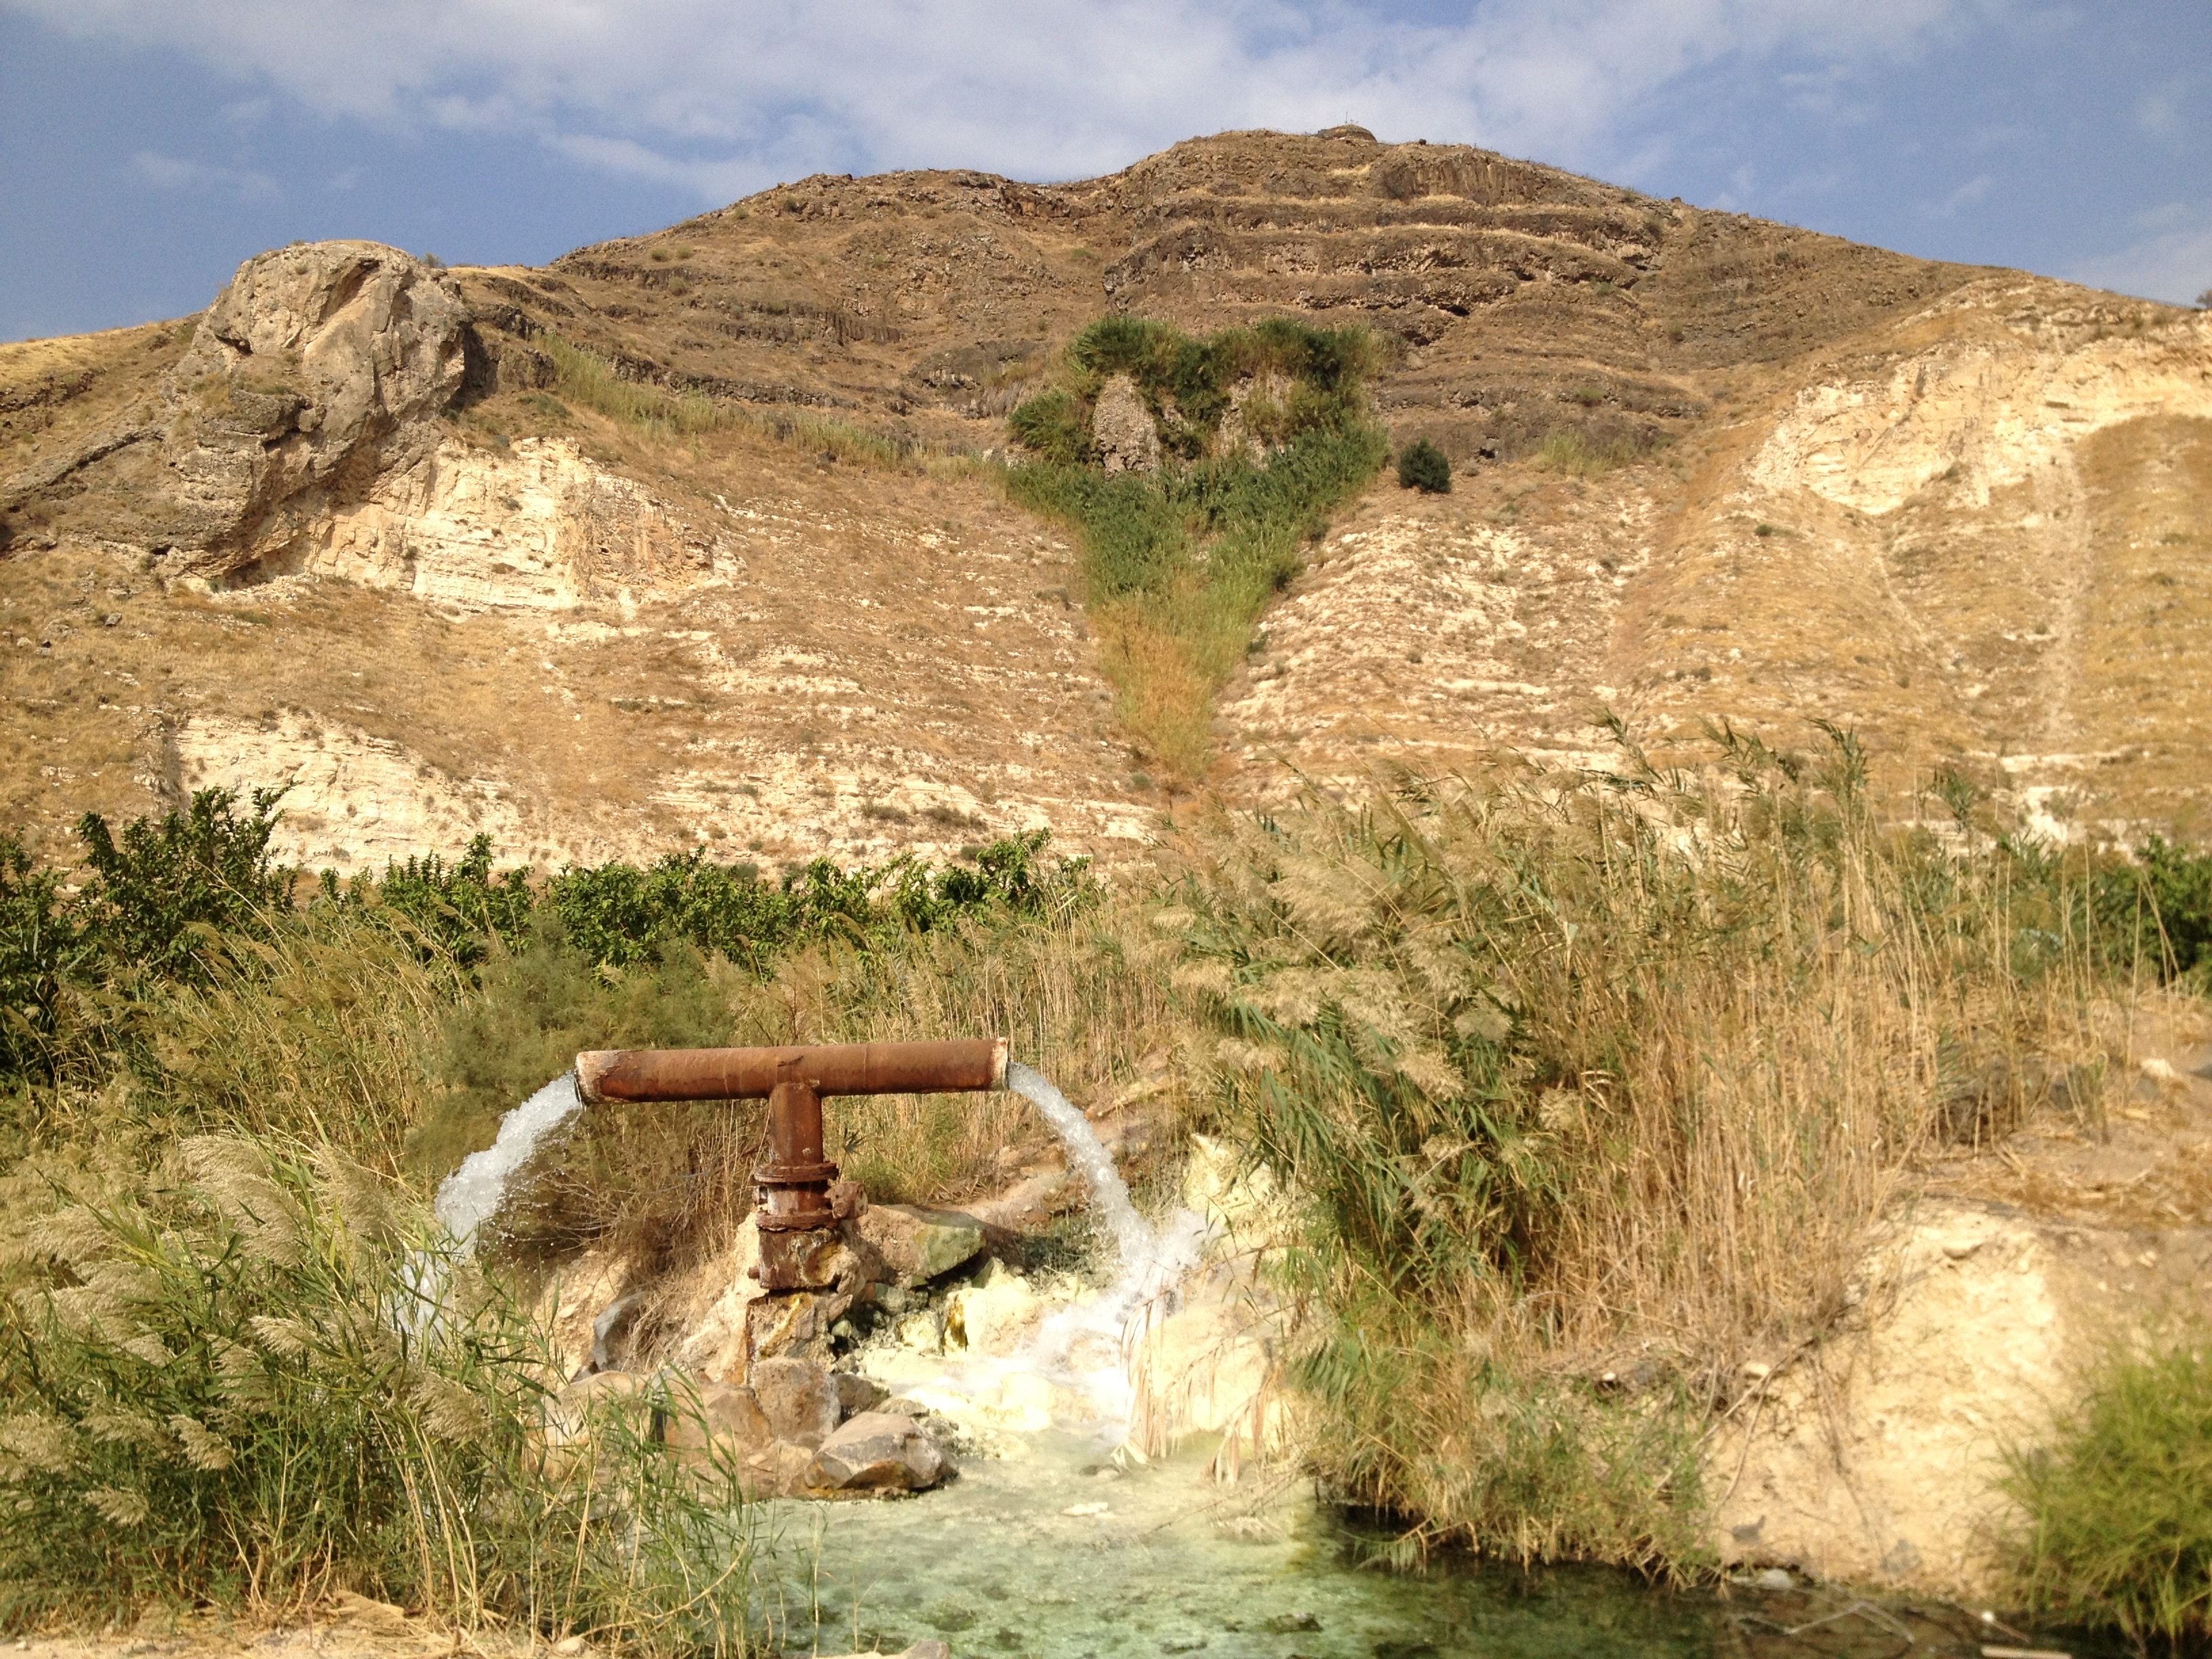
[[147, 147]]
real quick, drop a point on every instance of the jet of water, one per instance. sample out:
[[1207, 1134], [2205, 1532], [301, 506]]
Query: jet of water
[[1133, 1240], [473, 1193], [1153, 1262]]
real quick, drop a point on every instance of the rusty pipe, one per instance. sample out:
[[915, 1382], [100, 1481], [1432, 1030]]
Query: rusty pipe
[[793, 1186], [835, 1068]]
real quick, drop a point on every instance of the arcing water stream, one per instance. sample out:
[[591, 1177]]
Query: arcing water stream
[[472, 1193]]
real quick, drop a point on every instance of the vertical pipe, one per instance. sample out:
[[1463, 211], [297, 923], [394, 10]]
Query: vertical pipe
[[794, 1182]]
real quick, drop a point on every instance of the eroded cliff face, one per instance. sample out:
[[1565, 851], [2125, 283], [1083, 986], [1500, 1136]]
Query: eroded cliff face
[[1975, 536], [532, 524], [1706, 469]]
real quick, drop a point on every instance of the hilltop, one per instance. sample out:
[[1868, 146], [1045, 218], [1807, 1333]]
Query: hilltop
[[698, 538]]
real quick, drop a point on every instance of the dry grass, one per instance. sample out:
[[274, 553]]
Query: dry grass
[[316, 1034], [1585, 1079], [211, 1395], [675, 420], [1163, 695]]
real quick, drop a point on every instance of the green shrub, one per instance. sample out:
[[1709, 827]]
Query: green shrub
[[1422, 465], [223, 1386], [40, 936], [162, 898], [2119, 1502], [1055, 427]]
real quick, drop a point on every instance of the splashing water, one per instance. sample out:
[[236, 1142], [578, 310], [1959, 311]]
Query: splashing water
[[472, 1193], [1083, 1346], [1087, 1156]]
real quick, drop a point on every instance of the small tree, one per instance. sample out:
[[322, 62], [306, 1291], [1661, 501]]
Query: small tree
[[1422, 465], [2204, 301]]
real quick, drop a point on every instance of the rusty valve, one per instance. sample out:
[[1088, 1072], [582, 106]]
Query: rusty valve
[[794, 1184]]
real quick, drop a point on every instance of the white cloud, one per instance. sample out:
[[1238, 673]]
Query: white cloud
[[1964, 197], [174, 172], [719, 96], [2172, 262]]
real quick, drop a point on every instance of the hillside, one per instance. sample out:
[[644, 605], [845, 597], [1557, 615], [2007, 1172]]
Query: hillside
[[698, 538]]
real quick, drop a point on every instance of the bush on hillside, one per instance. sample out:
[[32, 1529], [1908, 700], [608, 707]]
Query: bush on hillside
[[1178, 564], [1422, 466], [165, 892]]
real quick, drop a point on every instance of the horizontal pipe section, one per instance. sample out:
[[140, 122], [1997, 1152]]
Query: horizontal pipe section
[[836, 1068]]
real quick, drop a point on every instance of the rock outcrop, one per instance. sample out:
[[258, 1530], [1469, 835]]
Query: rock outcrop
[[320, 369], [1122, 430]]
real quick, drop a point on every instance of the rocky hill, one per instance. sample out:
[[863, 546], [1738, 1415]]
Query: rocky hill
[[698, 537]]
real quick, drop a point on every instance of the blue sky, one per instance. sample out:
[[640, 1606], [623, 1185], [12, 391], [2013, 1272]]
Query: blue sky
[[148, 146]]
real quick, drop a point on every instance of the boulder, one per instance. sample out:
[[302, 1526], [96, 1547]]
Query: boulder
[[319, 368], [569, 1414], [798, 1398], [717, 1421], [857, 1393], [917, 1243], [1122, 430], [879, 1451]]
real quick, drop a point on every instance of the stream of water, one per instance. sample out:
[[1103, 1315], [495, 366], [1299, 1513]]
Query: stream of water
[[1052, 1546], [472, 1193]]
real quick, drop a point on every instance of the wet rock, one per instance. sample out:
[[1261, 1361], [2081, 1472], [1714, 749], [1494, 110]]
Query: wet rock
[[717, 1421], [879, 1451], [794, 1325], [917, 1243], [922, 1332], [821, 1259], [991, 1315], [799, 1399], [857, 1393]]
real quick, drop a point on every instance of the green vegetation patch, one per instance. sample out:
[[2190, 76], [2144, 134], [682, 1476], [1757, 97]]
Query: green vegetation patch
[[1423, 466], [1179, 563], [2120, 1501]]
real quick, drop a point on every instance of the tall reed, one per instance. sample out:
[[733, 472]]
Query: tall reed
[[1591, 1078], [257, 1377]]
